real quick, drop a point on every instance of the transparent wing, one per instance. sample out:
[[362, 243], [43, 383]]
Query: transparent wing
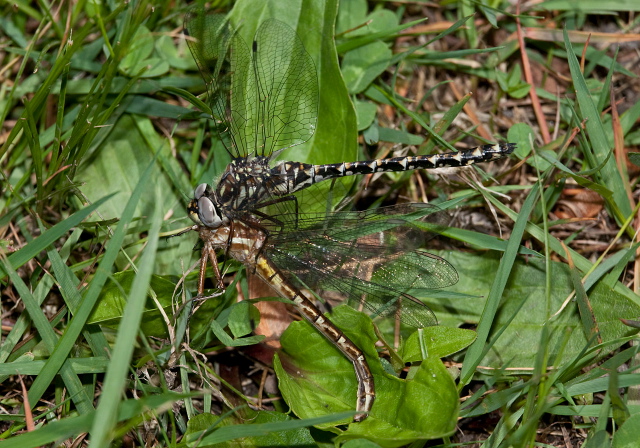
[[264, 98], [370, 259], [287, 87], [224, 61]]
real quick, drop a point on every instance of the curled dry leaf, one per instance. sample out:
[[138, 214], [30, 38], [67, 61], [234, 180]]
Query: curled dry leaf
[[578, 203]]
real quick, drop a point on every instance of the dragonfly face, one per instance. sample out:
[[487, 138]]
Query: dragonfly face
[[203, 210]]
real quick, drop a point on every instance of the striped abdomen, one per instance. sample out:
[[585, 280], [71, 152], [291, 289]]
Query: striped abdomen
[[293, 176], [266, 270]]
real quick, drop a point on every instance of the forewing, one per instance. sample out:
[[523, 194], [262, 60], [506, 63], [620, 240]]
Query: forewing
[[224, 61], [287, 87], [370, 258], [264, 98]]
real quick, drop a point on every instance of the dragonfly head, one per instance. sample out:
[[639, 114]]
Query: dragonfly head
[[202, 208]]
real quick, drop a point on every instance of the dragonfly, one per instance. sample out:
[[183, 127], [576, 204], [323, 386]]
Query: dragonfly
[[263, 99]]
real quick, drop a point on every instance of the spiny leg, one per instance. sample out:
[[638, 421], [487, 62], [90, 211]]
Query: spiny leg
[[265, 217], [277, 201], [208, 253], [203, 270]]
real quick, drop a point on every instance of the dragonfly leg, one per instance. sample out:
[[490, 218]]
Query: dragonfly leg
[[216, 269], [203, 270], [277, 201], [266, 217], [208, 253]]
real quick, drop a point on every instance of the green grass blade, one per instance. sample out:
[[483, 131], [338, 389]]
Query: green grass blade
[[69, 338], [106, 414], [50, 236], [477, 350], [609, 175]]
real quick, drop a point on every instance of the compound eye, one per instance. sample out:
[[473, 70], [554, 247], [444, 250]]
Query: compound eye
[[192, 210], [207, 212], [200, 191]]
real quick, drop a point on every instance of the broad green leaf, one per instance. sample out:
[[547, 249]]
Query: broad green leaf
[[519, 344], [371, 134], [438, 342], [110, 306], [272, 438], [524, 135], [634, 157], [138, 57], [628, 434], [397, 136], [316, 379], [228, 341], [350, 15], [116, 166], [512, 83], [354, 21], [380, 20], [240, 318], [362, 65], [109, 309], [336, 132], [262, 434], [360, 443], [366, 112], [181, 60]]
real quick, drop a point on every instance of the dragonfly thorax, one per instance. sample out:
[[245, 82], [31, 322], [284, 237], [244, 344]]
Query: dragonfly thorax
[[204, 209]]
